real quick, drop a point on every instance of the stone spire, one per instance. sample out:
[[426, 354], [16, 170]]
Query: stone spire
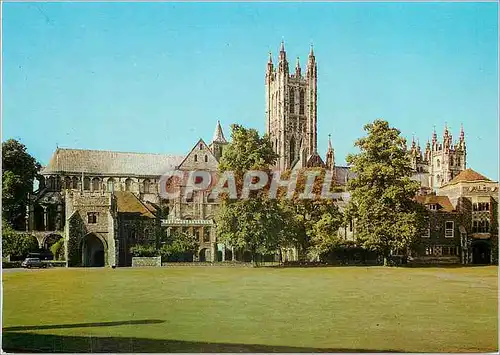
[[297, 68], [434, 139], [427, 154], [461, 142], [330, 155], [218, 134]]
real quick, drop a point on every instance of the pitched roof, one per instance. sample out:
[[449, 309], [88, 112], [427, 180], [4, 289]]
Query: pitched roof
[[468, 175], [219, 134], [343, 174], [127, 202], [106, 162], [442, 201]]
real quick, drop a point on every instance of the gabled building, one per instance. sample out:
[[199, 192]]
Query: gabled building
[[463, 221]]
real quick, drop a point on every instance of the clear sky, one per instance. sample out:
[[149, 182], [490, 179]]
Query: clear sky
[[154, 77]]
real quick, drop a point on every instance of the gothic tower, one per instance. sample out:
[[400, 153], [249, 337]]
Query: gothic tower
[[291, 111], [218, 142], [447, 160]]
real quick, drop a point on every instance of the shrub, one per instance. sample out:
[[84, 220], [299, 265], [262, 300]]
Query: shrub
[[144, 251], [57, 249]]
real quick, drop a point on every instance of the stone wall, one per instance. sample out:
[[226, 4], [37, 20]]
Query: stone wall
[[146, 261]]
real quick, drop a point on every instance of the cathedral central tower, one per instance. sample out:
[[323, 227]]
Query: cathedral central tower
[[291, 111]]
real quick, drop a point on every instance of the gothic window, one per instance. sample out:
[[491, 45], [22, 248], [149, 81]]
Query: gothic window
[[195, 157], [206, 158], [128, 184], [86, 183], [95, 184], [75, 182], [111, 184], [302, 102], [292, 100], [147, 186], [92, 217], [292, 150], [51, 183], [67, 182], [131, 234]]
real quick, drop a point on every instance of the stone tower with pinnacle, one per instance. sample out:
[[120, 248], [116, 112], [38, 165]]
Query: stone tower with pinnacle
[[291, 111]]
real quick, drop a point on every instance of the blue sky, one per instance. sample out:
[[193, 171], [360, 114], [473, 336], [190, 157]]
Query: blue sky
[[154, 77]]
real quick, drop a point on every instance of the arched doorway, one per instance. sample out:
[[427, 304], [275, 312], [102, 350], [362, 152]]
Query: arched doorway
[[204, 254], [481, 252], [93, 251]]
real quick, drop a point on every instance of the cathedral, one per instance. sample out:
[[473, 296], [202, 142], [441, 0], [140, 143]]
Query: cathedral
[[104, 202]]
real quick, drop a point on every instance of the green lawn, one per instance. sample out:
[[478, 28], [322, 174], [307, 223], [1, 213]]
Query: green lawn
[[224, 309]]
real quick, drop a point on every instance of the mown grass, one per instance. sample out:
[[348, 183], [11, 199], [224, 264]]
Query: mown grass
[[255, 310]]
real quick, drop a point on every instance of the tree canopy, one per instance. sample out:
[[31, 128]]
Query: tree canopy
[[382, 202], [19, 170]]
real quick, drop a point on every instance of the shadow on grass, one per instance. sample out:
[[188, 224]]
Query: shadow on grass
[[83, 325], [31, 342]]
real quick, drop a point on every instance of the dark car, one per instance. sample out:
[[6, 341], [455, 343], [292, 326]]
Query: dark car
[[32, 262]]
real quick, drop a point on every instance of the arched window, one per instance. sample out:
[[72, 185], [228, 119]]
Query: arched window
[[75, 182], [451, 160], [438, 163], [128, 184], [206, 158], [51, 183], [195, 157], [111, 185], [147, 185], [292, 100], [67, 182], [86, 183], [458, 161], [201, 146], [302, 103], [96, 186]]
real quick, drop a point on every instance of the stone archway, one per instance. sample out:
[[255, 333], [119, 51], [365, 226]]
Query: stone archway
[[481, 252], [94, 251], [204, 255]]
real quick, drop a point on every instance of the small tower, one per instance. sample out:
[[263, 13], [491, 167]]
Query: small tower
[[330, 155], [218, 142]]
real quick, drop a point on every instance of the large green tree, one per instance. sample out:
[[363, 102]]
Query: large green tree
[[316, 219], [257, 224], [19, 170], [382, 201]]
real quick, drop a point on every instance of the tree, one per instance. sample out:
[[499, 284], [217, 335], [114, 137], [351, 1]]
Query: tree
[[382, 194], [247, 151], [317, 219], [17, 245], [19, 170], [178, 246], [256, 224]]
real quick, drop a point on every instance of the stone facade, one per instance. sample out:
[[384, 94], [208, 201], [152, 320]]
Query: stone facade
[[104, 202], [440, 162]]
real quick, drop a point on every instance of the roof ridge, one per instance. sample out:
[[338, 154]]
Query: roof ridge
[[117, 151]]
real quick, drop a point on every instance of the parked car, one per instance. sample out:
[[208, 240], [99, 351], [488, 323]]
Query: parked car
[[33, 262]]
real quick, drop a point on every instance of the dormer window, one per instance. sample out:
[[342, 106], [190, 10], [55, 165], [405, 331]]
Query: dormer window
[[433, 207]]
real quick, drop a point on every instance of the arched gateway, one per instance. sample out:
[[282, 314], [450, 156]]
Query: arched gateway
[[94, 251]]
